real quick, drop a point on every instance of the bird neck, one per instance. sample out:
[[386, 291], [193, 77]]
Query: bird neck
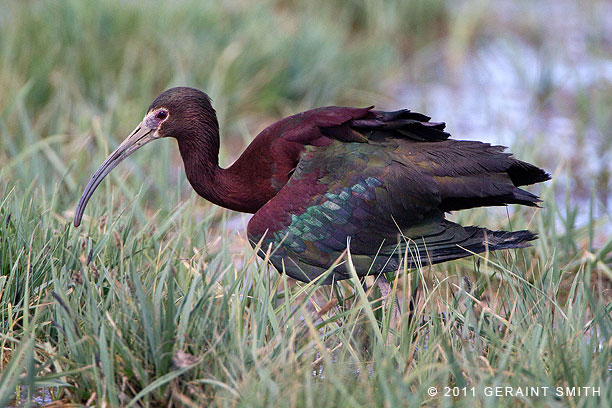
[[229, 188]]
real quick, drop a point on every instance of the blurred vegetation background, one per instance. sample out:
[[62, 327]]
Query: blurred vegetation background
[[508, 72], [76, 77]]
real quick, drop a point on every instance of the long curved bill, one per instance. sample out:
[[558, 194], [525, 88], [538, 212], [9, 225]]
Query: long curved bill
[[139, 137]]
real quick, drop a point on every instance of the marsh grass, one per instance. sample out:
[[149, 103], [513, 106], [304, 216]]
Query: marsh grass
[[127, 314], [158, 300]]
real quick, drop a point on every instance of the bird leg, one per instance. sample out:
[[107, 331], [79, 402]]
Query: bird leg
[[386, 292], [364, 284]]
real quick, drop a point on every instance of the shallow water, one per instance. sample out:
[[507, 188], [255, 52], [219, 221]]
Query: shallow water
[[40, 397], [542, 89]]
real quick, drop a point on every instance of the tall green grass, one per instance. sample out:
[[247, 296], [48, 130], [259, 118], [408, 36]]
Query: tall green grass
[[129, 314], [157, 299]]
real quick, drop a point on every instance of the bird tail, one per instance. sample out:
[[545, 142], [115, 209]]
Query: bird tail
[[460, 242], [451, 241], [495, 240]]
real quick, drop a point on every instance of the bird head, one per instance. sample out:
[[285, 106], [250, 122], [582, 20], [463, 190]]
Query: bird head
[[180, 112]]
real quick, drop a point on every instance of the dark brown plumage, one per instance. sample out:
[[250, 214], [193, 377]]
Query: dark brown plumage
[[315, 180]]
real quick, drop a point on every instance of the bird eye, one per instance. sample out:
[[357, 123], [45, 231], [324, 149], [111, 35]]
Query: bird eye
[[162, 114]]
